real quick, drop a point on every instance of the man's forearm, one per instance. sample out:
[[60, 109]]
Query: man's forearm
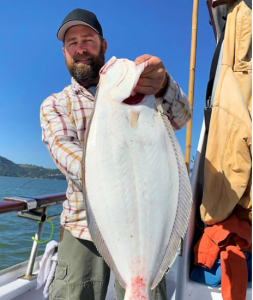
[[174, 104]]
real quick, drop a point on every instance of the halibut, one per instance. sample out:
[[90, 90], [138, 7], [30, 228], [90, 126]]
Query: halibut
[[137, 190]]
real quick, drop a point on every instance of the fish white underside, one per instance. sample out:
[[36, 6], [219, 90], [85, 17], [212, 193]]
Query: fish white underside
[[138, 195]]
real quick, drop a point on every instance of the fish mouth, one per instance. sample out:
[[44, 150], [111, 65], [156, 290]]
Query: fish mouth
[[137, 98]]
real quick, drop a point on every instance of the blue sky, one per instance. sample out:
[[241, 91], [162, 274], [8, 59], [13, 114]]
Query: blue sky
[[32, 63]]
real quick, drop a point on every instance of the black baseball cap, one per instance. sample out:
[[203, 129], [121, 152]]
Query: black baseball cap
[[79, 17]]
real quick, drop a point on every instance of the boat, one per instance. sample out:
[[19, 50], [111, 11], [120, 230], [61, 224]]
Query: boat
[[19, 282]]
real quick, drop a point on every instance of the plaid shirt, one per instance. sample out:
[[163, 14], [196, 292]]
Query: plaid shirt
[[64, 117]]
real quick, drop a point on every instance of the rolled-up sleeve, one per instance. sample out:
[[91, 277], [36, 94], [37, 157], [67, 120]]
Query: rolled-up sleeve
[[175, 105], [60, 136]]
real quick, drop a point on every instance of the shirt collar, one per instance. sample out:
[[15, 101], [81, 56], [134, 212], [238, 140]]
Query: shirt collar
[[80, 89], [77, 87]]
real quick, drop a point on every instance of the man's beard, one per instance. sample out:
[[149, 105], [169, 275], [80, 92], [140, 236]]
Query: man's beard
[[86, 73]]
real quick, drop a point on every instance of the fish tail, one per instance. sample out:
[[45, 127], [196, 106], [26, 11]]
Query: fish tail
[[138, 290]]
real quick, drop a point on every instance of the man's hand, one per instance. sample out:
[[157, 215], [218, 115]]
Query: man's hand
[[153, 79]]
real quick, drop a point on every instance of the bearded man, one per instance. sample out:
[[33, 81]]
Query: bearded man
[[81, 272]]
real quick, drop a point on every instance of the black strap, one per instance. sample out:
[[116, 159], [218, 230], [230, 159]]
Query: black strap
[[213, 69], [209, 89]]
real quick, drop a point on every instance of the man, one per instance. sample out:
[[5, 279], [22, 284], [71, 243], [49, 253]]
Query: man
[[81, 272]]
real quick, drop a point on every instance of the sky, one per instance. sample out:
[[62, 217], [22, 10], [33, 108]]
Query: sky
[[32, 65]]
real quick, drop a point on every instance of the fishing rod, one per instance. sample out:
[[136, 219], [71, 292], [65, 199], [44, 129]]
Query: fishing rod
[[27, 182], [191, 82], [191, 91]]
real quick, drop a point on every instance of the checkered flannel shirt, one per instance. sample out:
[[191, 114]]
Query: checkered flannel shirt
[[64, 117]]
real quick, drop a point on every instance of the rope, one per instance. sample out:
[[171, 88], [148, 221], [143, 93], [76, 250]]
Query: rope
[[52, 231]]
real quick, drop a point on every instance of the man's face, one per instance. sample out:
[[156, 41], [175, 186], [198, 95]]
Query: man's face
[[84, 54]]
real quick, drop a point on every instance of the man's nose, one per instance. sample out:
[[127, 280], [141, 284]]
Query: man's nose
[[81, 48]]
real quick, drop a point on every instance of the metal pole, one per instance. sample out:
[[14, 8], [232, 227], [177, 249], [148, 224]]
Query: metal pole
[[33, 255], [191, 81]]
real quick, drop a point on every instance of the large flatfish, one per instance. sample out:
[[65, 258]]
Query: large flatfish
[[137, 190]]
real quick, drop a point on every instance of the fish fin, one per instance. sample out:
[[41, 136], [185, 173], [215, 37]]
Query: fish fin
[[100, 243], [183, 211]]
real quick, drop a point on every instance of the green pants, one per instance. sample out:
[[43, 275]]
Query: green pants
[[82, 274]]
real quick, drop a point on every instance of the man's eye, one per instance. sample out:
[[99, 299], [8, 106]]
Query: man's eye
[[74, 43]]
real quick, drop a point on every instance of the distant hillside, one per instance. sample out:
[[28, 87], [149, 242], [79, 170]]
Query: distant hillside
[[10, 169]]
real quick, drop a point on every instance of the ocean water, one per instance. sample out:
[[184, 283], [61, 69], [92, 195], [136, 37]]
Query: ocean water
[[16, 233]]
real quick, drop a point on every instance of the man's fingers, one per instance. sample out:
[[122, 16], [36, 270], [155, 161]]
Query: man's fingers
[[154, 67], [153, 73], [142, 58], [145, 81], [152, 79], [146, 90]]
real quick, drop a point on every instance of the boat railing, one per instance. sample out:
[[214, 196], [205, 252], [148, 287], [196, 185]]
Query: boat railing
[[32, 208]]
